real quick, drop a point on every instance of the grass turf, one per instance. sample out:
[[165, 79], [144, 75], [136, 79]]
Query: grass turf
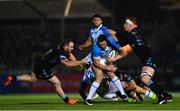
[[52, 102]]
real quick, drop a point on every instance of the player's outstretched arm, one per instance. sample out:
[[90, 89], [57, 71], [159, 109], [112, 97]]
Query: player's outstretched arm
[[72, 57], [123, 52], [113, 34], [70, 63], [86, 44]]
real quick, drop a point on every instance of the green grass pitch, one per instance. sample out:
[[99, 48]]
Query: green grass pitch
[[52, 102]]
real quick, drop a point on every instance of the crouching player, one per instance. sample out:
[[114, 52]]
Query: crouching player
[[100, 51], [108, 90]]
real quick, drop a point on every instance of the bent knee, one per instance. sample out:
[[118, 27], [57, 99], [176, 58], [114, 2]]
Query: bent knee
[[131, 86], [33, 79]]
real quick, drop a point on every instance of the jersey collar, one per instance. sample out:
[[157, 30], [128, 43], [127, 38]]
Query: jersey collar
[[99, 27]]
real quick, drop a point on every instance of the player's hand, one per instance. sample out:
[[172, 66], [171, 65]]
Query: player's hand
[[110, 60], [80, 63], [80, 48], [81, 66], [111, 68]]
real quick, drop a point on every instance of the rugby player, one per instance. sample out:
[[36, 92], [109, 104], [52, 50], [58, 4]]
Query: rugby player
[[107, 89], [134, 37], [97, 29], [42, 68], [100, 51]]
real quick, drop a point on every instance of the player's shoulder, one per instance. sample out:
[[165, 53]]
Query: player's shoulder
[[104, 28], [96, 47]]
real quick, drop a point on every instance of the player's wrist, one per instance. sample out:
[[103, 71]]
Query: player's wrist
[[79, 62]]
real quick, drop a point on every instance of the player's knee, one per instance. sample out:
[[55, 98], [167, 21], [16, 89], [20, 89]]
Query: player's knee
[[99, 80], [56, 83], [33, 79], [131, 86]]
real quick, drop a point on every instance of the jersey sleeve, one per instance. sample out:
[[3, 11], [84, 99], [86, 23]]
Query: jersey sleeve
[[89, 33], [96, 52], [106, 32], [62, 57], [113, 43]]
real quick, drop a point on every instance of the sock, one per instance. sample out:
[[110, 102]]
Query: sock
[[110, 96], [148, 94], [118, 85], [156, 88], [17, 78], [65, 98], [92, 90], [82, 90]]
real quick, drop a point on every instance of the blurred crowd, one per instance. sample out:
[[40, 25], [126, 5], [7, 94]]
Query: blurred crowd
[[21, 45]]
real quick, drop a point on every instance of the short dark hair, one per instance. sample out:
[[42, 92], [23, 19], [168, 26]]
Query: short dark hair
[[102, 38], [133, 19], [97, 16], [66, 42]]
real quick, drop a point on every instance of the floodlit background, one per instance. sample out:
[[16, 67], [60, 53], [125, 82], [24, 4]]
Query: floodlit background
[[30, 27]]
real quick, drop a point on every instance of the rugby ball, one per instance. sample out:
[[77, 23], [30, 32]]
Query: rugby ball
[[112, 54]]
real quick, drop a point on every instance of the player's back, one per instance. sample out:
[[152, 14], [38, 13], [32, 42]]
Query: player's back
[[53, 56]]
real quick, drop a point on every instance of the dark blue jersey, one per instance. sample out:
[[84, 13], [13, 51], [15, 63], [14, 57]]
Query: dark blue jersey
[[139, 45], [54, 56]]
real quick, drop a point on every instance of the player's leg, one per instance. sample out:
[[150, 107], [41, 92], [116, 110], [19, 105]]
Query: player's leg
[[118, 84], [109, 93], [25, 77], [147, 93], [95, 84], [132, 86], [82, 89], [58, 89], [146, 75]]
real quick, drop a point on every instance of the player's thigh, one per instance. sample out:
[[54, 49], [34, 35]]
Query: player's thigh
[[98, 73], [131, 85], [111, 75]]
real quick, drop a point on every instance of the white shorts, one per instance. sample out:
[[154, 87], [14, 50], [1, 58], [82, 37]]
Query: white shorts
[[89, 74]]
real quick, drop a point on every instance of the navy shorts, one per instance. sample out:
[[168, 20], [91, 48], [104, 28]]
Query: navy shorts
[[41, 71], [150, 62]]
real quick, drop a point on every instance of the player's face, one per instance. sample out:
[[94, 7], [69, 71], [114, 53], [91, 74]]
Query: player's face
[[97, 21], [127, 27], [103, 44], [70, 47]]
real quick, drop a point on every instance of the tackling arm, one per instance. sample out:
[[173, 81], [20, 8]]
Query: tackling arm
[[123, 52], [87, 43], [71, 57], [113, 32], [70, 63]]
